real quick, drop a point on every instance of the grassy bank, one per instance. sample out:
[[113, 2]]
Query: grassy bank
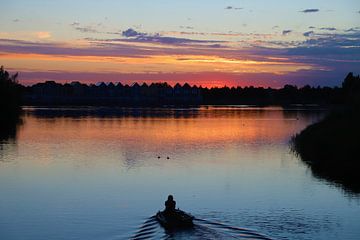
[[331, 148]]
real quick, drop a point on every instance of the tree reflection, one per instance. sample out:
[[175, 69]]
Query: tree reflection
[[9, 127]]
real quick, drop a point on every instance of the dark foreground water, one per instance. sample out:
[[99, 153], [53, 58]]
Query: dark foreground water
[[95, 173]]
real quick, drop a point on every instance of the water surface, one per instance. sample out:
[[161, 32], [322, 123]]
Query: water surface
[[99, 173]]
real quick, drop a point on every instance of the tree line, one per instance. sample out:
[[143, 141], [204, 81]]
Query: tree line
[[12, 94]]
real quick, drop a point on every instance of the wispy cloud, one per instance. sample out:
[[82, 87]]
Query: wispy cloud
[[334, 52], [135, 36], [186, 27], [194, 33], [308, 34], [354, 29], [74, 24], [328, 28], [87, 29], [233, 8], [340, 41], [310, 10]]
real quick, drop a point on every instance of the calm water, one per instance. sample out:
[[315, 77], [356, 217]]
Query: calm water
[[95, 174]]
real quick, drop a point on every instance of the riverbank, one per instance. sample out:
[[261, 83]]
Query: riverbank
[[331, 148]]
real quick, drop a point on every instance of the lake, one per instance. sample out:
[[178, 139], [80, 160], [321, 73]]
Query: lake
[[102, 173]]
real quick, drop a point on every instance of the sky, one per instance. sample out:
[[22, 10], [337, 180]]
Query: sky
[[266, 43]]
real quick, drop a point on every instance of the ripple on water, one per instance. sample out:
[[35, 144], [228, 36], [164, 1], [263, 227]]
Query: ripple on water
[[203, 229], [280, 223]]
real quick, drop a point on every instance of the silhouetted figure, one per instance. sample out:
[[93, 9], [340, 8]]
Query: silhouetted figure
[[170, 205]]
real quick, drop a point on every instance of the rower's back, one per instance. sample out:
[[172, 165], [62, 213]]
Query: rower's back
[[170, 204]]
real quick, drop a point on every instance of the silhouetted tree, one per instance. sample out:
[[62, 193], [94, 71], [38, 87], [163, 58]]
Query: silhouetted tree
[[10, 94], [351, 88]]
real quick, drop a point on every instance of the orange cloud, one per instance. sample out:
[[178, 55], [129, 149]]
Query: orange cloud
[[156, 63], [43, 35]]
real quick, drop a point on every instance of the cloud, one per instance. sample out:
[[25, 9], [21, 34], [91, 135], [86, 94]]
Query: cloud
[[232, 8], [253, 36], [87, 29], [113, 47], [53, 48], [74, 24], [43, 35], [328, 54], [186, 27], [343, 41], [308, 34], [328, 28], [132, 33], [354, 29], [340, 47], [286, 32], [134, 36], [310, 10], [170, 40], [16, 20]]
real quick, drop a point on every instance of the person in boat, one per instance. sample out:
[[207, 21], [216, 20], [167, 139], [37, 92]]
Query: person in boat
[[170, 205]]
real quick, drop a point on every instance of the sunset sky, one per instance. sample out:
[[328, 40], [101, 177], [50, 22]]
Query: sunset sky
[[203, 42]]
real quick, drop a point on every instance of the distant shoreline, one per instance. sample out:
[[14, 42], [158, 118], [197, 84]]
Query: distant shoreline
[[51, 93]]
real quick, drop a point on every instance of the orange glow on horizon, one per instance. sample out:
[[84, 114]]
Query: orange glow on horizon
[[163, 65]]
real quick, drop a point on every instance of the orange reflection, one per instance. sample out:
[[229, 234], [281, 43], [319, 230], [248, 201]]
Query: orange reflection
[[206, 127]]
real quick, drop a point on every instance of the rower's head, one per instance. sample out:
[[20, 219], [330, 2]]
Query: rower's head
[[170, 197]]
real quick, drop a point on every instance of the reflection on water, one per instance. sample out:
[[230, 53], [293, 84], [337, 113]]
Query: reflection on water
[[346, 179], [8, 134], [97, 173], [9, 127]]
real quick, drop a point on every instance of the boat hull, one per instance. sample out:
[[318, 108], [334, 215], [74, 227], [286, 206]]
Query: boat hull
[[176, 219]]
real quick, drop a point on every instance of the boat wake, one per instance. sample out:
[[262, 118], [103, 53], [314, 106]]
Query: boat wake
[[202, 229], [231, 232], [147, 230]]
